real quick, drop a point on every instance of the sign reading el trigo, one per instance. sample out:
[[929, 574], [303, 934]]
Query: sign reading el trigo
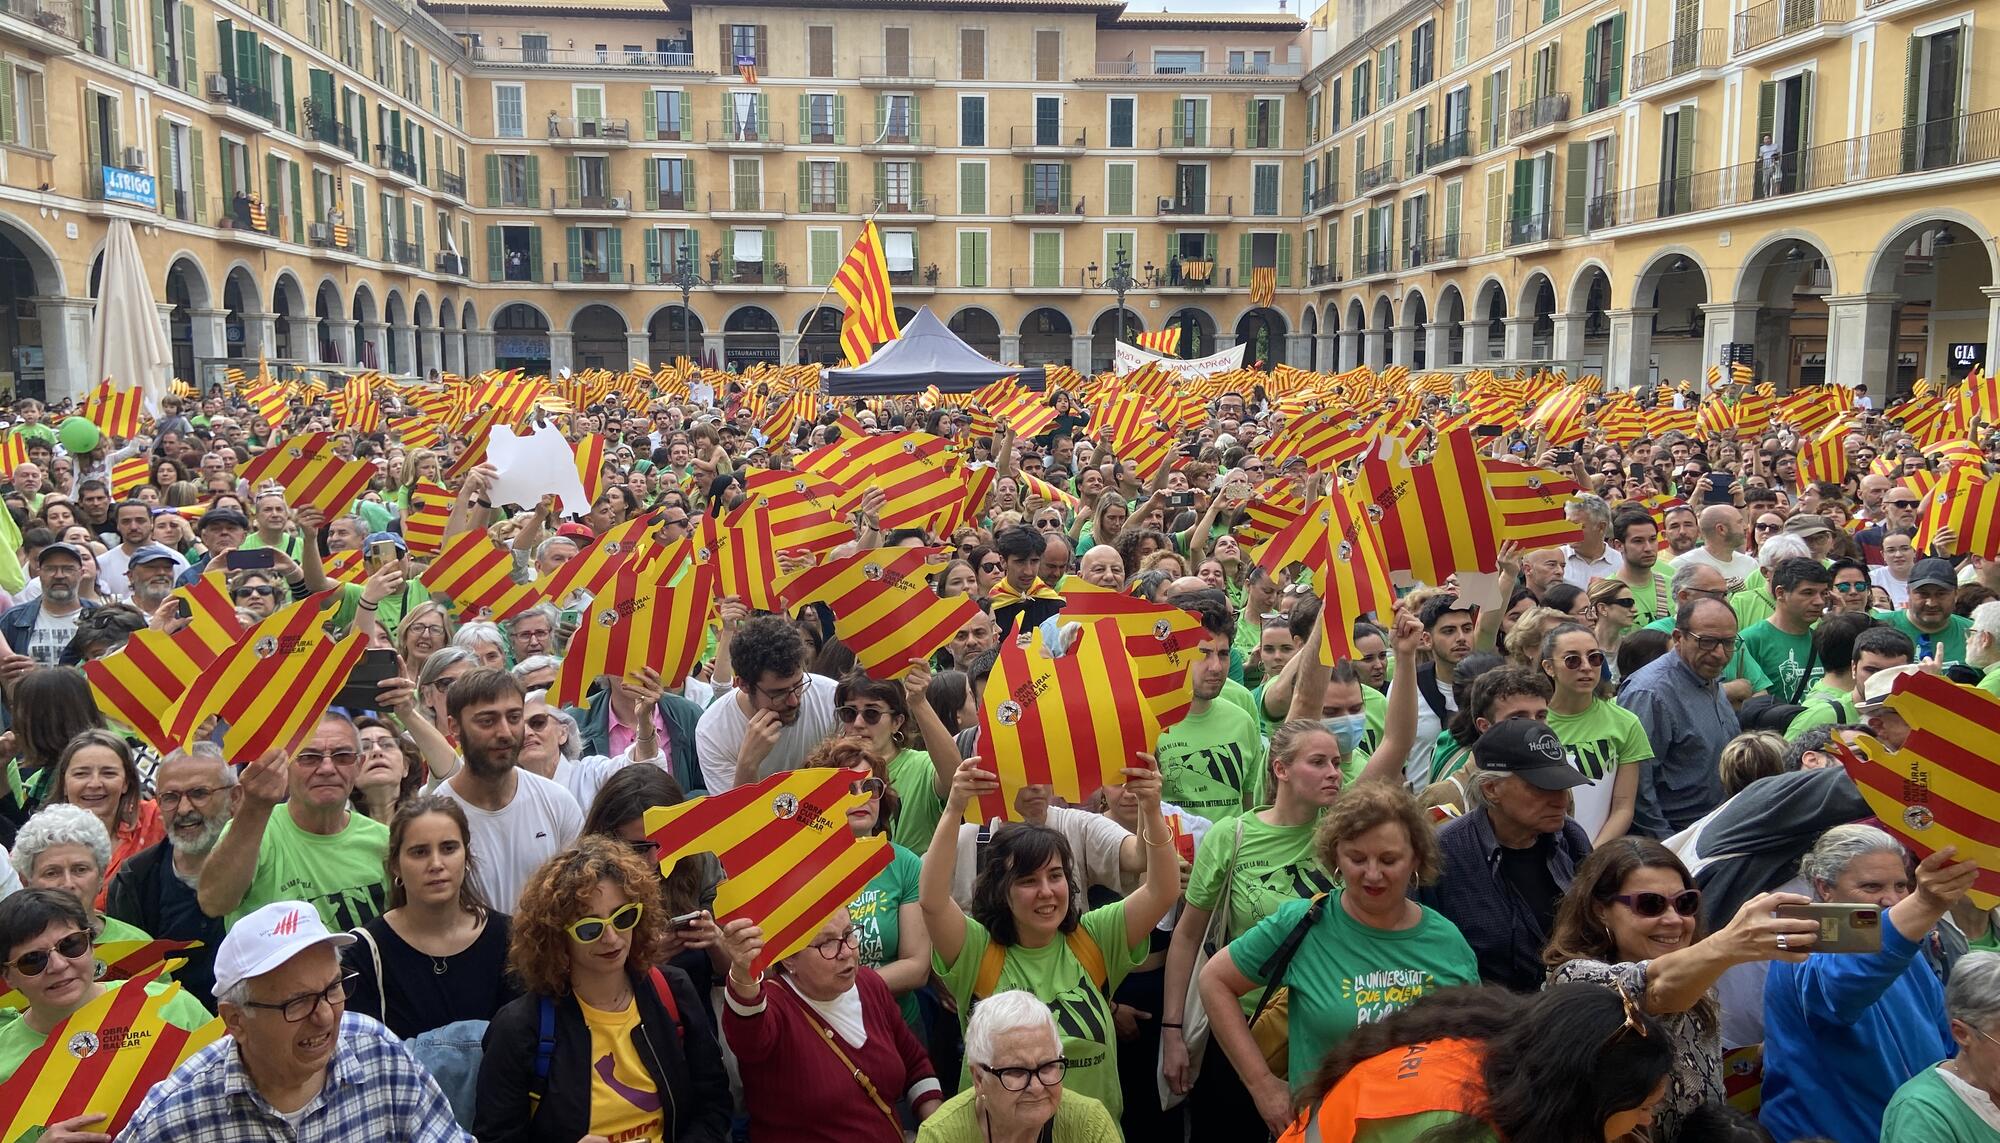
[[134, 187]]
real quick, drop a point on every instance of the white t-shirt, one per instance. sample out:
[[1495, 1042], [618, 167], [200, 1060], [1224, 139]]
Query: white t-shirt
[[1737, 571], [1094, 843], [114, 570], [583, 777], [1417, 765], [719, 735], [1898, 589], [52, 633], [508, 845]]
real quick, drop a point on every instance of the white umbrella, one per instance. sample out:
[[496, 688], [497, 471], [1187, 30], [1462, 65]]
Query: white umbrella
[[126, 341]]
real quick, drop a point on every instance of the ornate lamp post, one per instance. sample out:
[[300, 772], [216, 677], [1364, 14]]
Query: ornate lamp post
[[685, 278]]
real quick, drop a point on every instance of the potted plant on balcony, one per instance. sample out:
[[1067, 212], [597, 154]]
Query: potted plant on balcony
[[781, 272], [931, 275]]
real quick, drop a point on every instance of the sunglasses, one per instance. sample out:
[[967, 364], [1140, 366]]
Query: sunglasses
[[992, 566], [1900, 503], [869, 715], [1687, 902], [540, 722], [1573, 660], [1850, 587], [72, 947], [868, 787], [1767, 527], [245, 592], [1623, 601], [588, 930]]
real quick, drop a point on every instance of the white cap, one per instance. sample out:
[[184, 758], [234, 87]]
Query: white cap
[[1879, 685], [269, 937]]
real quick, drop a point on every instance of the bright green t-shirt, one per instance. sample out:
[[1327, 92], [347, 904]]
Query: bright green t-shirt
[[1600, 739], [114, 929], [1208, 761], [1346, 974], [914, 778], [1951, 639], [876, 913], [341, 874], [1052, 975], [1991, 682], [1078, 1119], [1927, 1108], [1375, 705], [1238, 695], [1752, 605], [1824, 706], [1782, 657], [18, 1041], [1274, 866]]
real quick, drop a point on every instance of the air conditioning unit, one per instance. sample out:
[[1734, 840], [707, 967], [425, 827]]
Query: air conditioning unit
[[618, 203], [218, 87], [135, 159]]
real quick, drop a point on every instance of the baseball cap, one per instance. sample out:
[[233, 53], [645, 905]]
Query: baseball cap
[[150, 553], [1808, 524], [1934, 572], [267, 938], [581, 533], [222, 516], [70, 550], [1880, 683], [385, 538], [1528, 748]]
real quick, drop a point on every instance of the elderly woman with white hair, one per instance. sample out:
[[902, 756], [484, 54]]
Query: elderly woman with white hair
[[485, 640], [1015, 1056], [1844, 1031], [66, 847], [552, 746], [1958, 1101]]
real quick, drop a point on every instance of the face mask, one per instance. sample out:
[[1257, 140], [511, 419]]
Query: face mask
[[1347, 730]]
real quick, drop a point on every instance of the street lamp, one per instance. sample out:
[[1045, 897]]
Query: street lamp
[[1120, 281], [687, 280]]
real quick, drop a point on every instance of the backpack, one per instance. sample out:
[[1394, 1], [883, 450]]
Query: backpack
[[1081, 946], [545, 1044], [1768, 712]]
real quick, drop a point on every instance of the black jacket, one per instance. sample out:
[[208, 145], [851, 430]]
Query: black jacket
[[137, 896], [686, 1066]]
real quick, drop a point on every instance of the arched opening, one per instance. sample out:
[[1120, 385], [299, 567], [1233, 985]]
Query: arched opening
[[521, 338], [1590, 295], [1197, 331], [597, 339], [367, 330], [977, 328], [749, 336], [1309, 326], [1787, 280], [1490, 307], [27, 272], [288, 307], [1416, 315], [1261, 333], [397, 318], [328, 309], [819, 337], [184, 280], [1045, 334], [674, 332], [1667, 343], [239, 297], [1105, 334], [1541, 302], [1353, 347], [1381, 324], [1329, 335], [1451, 312], [1937, 269]]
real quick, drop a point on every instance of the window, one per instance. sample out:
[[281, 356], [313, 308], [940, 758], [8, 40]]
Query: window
[[1118, 247], [972, 121], [594, 254], [1676, 161], [822, 254], [1264, 128], [1179, 62], [588, 104], [972, 257], [899, 254], [509, 114], [1604, 63], [1312, 118], [741, 43], [1048, 121], [1122, 122], [458, 102], [972, 55], [896, 51], [1048, 188], [746, 180], [1264, 189], [1045, 256], [350, 36], [515, 177], [1249, 63], [669, 179], [1191, 188], [819, 51], [1503, 23], [1461, 32], [1363, 83], [1333, 107], [896, 118], [896, 188], [823, 189], [666, 114], [1493, 95], [1457, 112], [1048, 55], [972, 186], [174, 165], [413, 76], [746, 253], [1544, 80], [24, 121], [1190, 128], [437, 90], [1416, 230], [1423, 51], [668, 248], [819, 118], [1454, 194], [1551, 10], [1388, 74], [592, 179], [1120, 183]]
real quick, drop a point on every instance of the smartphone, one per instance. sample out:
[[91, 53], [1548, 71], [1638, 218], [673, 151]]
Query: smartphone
[[1842, 928], [1487, 430], [1718, 489], [1179, 500], [1637, 469], [182, 610], [1562, 456], [381, 552], [251, 559], [685, 920], [360, 691]]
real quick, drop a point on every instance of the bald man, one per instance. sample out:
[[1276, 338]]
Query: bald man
[[1102, 567], [1722, 536], [1055, 559]]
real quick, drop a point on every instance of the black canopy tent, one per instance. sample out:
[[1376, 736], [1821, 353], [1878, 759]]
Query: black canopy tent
[[926, 354]]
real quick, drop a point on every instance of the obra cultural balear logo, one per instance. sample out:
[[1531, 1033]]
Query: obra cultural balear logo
[[617, 613]]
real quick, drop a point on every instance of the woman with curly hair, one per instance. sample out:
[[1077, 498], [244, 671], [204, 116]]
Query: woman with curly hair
[[630, 1043]]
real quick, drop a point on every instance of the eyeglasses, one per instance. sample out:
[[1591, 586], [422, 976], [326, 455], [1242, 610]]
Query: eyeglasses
[[170, 800], [1900, 503], [681, 522], [831, 950], [871, 715], [445, 684], [299, 1007], [72, 947], [645, 847], [539, 722], [588, 930], [1766, 527], [1623, 601], [1574, 660], [380, 744], [1687, 902], [424, 628], [868, 787], [311, 759], [243, 592], [780, 694], [1711, 642], [992, 566], [1016, 1079], [1850, 587]]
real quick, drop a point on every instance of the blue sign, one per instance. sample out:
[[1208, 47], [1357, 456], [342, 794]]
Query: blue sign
[[121, 185]]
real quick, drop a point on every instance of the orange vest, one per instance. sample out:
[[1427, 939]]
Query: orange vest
[[1439, 1075]]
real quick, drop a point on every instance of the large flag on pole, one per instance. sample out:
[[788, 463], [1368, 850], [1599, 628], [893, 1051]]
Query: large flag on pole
[[863, 283]]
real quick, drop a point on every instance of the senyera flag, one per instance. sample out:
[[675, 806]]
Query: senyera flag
[[103, 1059], [1531, 503], [785, 843], [1161, 639], [1435, 518], [310, 473], [638, 622], [477, 576], [271, 688], [884, 607], [123, 960], [1943, 787], [138, 684]]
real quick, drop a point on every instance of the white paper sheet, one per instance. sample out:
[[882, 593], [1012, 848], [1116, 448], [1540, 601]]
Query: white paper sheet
[[534, 466]]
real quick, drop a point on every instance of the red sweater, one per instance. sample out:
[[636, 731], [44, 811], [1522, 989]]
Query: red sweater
[[798, 1091]]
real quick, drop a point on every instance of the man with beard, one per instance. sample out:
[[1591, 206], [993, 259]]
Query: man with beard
[[778, 712], [42, 627], [1722, 537], [518, 818], [151, 577], [1638, 540], [1683, 532], [154, 889], [1926, 617], [134, 523]]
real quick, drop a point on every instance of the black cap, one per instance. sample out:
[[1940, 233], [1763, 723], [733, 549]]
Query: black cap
[[1529, 748], [1934, 572], [222, 516]]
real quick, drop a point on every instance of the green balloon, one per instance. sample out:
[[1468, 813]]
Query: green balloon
[[78, 436]]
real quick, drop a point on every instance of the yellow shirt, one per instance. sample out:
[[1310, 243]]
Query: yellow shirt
[[624, 1103]]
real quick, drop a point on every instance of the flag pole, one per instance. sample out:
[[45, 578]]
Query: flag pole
[[865, 224]]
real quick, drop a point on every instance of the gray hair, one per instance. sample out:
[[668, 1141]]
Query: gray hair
[[1588, 505], [1840, 847], [1973, 993], [203, 751], [1001, 1013], [60, 823], [471, 635], [533, 663], [1986, 619], [237, 994], [542, 548], [1684, 576], [545, 609], [572, 747], [443, 659], [1783, 546]]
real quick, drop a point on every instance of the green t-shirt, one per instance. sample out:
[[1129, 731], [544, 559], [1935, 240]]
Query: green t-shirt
[[1448, 757], [1346, 974], [289, 543], [1208, 761], [914, 778], [1274, 866], [388, 613], [1951, 639], [1598, 741], [1824, 706], [1752, 605], [1782, 657], [1647, 600], [340, 874], [1927, 1108], [18, 1041], [117, 930], [1991, 682], [876, 913], [1051, 974], [1375, 705], [1236, 694], [1078, 1119]]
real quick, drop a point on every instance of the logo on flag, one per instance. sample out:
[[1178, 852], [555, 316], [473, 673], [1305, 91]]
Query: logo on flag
[[266, 647], [1009, 713], [83, 1045], [784, 807]]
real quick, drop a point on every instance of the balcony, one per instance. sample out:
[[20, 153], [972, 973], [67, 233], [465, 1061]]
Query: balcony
[[324, 131], [47, 26], [1368, 263], [1793, 23], [1452, 151], [823, 200], [898, 71], [1044, 280], [588, 273], [1184, 140], [671, 200], [1532, 227], [1418, 253], [901, 138], [1322, 274], [1376, 179], [589, 130], [904, 206], [1443, 249], [1195, 207], [396, 159], [1133, 68], [1537, 118], [327, 236], [601, 200], [1686, 61], [915, 281], [1195, 274], [747, 204], [1322, 197], [744, 135], [515, 267], [404, 253], [453, 265], [1047, 139], [243, 217], [1045, 208], [1596, 93], [765, 275], [238, 95], [494, 56], [451, 184], [514, 195]]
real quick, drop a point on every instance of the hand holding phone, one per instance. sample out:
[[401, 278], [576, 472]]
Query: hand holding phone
[[251, 559]]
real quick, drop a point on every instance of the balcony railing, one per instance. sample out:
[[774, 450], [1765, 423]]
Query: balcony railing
[[406, 253], [327, 236], [1376, 177], [451, 183], [1131, 65], [1532, 226], [243, 94], [742, 201], [1323, 197], [242, 214], [823, 202], [590, 273], [898, 67], [511, 194], [1045, 278], [579, 57], [590, 200], [1184, 137], [765, 273], [1456, 145], [899, 134], [1322, 274], [1772, 21], [671, 200], [327, 129], [396, 159], [1195, 204], [1596, 91], [1538, 113], [53, 17], [589, 127], [453, 264], [1183, 273], [515, 266], [744, 131], [1444, 248], [1688, 52], [1368, 262], [1418, 252], [904, 204], [1061, 137], [1047, 205]]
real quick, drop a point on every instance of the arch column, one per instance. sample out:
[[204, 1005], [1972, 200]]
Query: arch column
[[1299, 349], [65, 346], [712, 346], [344, 330], [638, 347], [562, 351], [1724, 323], [788, 348], [1567, 344], [1375, 348], [166, 312], [373, 341], [1628, 356], [1350, 348], [478, 351], [1861, 341], [454, 351], [1082, 349], [211, 344], [433, 354], [305, 346], [406, 348], [260, 334], [1475, 342], [1326, 352], [1225, 341], [1010, 347], [1992, 319], [1404, 340], [1520, 340], [1437, 344]]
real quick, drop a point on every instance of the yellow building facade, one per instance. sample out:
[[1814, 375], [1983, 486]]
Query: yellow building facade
[[1636, 187]]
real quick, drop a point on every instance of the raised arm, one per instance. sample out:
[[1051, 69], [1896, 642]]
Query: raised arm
[[232, 864], [1399, 724], [943, 919], [1146, 905], [1677, 981], [1486, 633], [938, 741]]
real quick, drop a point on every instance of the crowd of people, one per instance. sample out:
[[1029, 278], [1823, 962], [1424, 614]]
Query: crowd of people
[[1585, 865]]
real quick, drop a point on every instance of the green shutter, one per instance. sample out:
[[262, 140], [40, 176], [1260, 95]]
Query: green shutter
[[121, 32], [652, 102], [298, 207], [535, 252], [1524, 187], [1062, 188], [7, 122], [805, 185], [1618, 57], [763, 116], [820, 253], [1027, 187], [495, 247], [1201, 122], [840, 187], [1912, 94], [1454, 193], [1486, 113], [198, 177], [652, 166], [162, 142], [687, 184], [1767, 96], [162, 48], [805, 117], [1684, 159], [1574, 186], [1590, 71], [1119, 189], [840, 120], [653, 266], [1284, 258], [614, 252], [1243, 259], [1805, 115], [492, 180], [534, 178]]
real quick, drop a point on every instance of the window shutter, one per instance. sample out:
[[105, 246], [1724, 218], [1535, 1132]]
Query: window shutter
[[495, 245], [572, 179], [298, 207], [916, 186], [160, 43], [762, 45], [881, 182], [763, 103], [1062, 187], [492, 180], [534, 179], [805, 118], [121, 33], [1590, 71], [652, 102], [1486, 113], [1684, 159], [1243, 259], [1574, 181], [1027, 187], [535, 252], [840, 187], [1201, 122], [614, 252], [652, 166], [1284, 258], [1524, 185], [653, 266], [805, 185], [726, 54], [162, 139], [199, 176], [840, 120], [1805, 109], [1618, 57]]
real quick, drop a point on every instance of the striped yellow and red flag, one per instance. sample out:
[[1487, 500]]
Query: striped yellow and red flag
[[268, 401], [1741, 373], [182, 389], [1270, 508], [122, 960], [1622, 421], [354, 404], [477, 432], [1753, 413], [884, 608], [806, 512], [309, 472], [978, 480], [1716, 417], [132, 1047], [1130, 425], [114, 410], [594, 566], [791, 859], [1943, 787], [1529, 502], [800, 408], [1956, 454], [128, 475], [1968, 503], [1823, 456], [1665, 419], [589, 451], [638, 622], [430, 511], [1166, 342], [271, 688], [862, 281], [1356, 583], [1304, 540], [13, 452], [1028, 413], [1325, 440], [477, 577], [1434, 519], [1035, 486], [347, 567], [1560, 416], [1979, 398], [744, 555], [912, 469], [1160, 638], [138, 684]]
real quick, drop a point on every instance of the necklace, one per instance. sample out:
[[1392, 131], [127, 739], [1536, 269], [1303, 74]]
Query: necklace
[[439, 965]]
